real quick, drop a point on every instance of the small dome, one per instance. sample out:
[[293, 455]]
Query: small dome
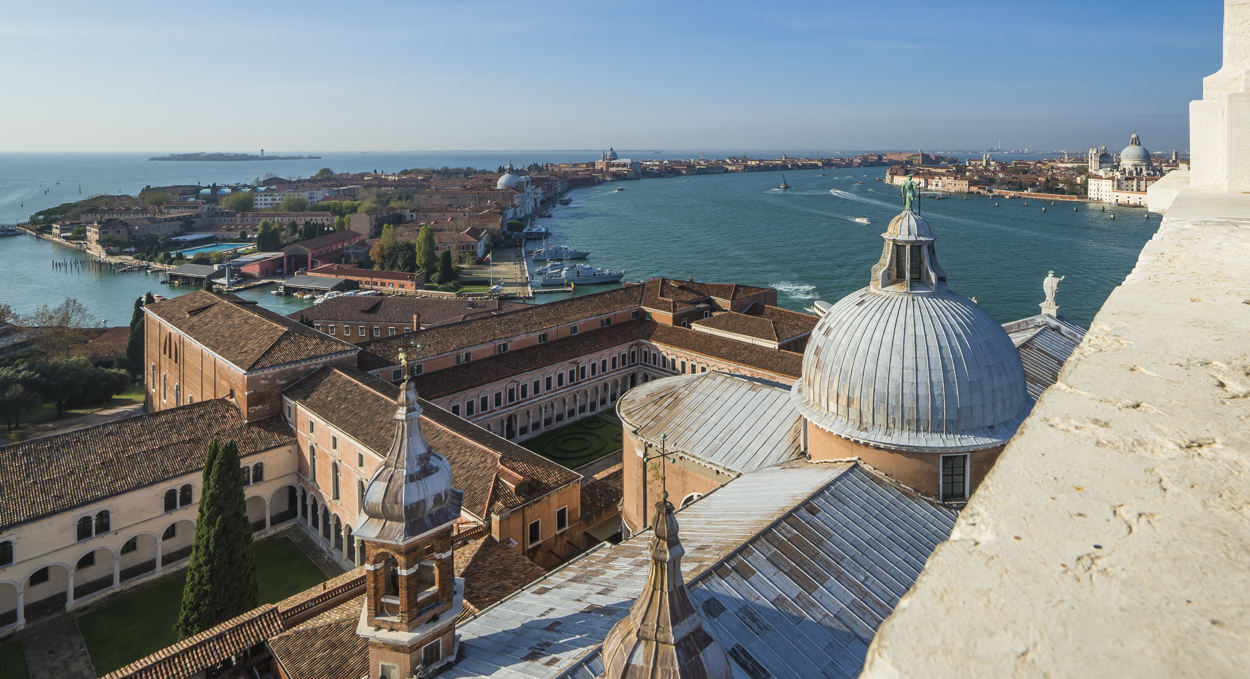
[[411, 493], [1135, 153], [611, 154], [509, 179]]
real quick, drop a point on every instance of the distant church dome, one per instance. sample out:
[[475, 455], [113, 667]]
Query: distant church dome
[[509, 179], [1134, 153], [611, 154], [908, 364]]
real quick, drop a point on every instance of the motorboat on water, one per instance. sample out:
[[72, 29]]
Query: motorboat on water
[[863, 220], [553, 252], [581, 274], [857, 183], [784, 186], [619, 188], [565, 200], [535, 232]]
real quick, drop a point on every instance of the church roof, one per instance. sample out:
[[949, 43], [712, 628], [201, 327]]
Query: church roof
[[57, 473], [793, 569], [732, 422], [248, 336], [1044, 344]]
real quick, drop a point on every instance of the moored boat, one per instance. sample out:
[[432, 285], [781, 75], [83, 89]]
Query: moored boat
[[552, 252], [10, 231], [581, 274], [535, 232]]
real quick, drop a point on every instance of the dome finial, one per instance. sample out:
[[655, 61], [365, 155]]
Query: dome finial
[[663, 635]]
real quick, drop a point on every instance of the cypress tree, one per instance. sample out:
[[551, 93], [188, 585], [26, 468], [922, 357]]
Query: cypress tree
[[134, 345], [221, 580]]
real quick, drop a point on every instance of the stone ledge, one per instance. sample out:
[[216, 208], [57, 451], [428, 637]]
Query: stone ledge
[[1112, 538]]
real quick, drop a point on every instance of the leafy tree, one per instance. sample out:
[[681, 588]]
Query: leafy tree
[[76, 382], [208, 284], [58, 329], [149, 299], [243, 201], [156, 197], [446, 269], [294, 202], [323, 173], [202, 258], [134, 344], [221, 579], [305, 320], [19, 392], [427, 260], [268, 237]]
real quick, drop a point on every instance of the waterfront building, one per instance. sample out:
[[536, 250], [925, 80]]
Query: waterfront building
[[315, 252], [360, 319], [369, 279], [1126, 182]]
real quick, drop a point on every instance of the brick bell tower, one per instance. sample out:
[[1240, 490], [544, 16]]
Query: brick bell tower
[[412, 598]]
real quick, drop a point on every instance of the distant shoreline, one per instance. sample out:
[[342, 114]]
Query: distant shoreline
[[218, 157]]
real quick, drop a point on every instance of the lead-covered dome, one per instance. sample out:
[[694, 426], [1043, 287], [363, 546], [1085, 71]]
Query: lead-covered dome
[[509, 179], [1134, 153], [908, 364]]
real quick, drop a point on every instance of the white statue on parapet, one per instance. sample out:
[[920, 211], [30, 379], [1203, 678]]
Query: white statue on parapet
[[1051, 286]]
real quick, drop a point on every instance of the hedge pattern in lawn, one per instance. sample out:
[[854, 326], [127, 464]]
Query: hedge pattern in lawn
[[579, 443]]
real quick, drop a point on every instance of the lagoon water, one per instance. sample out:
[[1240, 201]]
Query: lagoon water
[[718, 228]]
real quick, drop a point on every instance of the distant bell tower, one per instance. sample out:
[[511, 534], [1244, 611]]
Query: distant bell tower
[[412, 598]]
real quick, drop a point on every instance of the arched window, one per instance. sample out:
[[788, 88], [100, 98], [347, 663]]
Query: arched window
[[258, 472], [102, 522], [84, 528], [338, 533], [351, 543], [314, 514], [360, 496], [312, 463], [6, 552], [303, 503], [325, 521], [171, 500], [184, 495], [391, 568], [171, 532], [164, 385], [177, 394], [247, 475], [334, 479]]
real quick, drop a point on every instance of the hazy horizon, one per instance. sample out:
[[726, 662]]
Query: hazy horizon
[[568, 76]]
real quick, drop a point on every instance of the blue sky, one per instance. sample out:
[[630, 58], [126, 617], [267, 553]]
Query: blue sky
[[365, 75]]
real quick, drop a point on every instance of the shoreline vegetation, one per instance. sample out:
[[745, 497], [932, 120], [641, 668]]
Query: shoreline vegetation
[[215, 157]]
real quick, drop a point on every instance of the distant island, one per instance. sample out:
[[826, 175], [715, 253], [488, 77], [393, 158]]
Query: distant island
[[228, 156]]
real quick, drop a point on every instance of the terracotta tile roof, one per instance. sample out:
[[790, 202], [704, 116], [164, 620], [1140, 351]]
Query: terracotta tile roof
[[384, 352], [362, 406], [325, 647], [606, 490], [399, 310], [106, 346], [323, 241], [246, 335], [778, 362], [192, 656], [666, 294], [354, 272], [54, 474], [491, 571], [761, 322], [502, 366]]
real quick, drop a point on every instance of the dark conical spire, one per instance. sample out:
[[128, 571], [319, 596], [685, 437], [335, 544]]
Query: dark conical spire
[[663, 635]]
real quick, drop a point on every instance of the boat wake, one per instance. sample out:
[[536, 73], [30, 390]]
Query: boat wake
[[796, 290], [863, 199]]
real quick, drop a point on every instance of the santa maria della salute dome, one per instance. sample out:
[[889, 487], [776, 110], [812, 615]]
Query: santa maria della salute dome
[[905, 371]]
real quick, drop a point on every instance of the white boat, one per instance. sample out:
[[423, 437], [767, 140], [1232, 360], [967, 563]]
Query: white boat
[[581, 274], [535, 232], [552, 252], [549, 267], [618, 189], [784, 186], [10, 231], [863, 220], [369, 293]]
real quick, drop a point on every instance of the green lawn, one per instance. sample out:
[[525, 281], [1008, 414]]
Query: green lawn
[[13, 661], [579, 443], [47, 412], [132, 626]]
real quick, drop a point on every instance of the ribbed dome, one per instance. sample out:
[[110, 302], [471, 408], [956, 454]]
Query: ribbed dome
[[508, 180], [410, 494], [611, 154], [1135, 153], [908, 364]]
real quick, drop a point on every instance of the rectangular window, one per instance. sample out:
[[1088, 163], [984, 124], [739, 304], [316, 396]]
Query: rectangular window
[[347, 331], [511, 394], [633, 356], [683, 367], [334, 443], [605, 322], [562, 519], [483, 404], [560, 378], [377, 332], [463, 358], [501, 348], [536, 387], [312, 427], [318, 326], [392, 331], [361, 328], [573, 330], [432, 653], [288, 411], [536, 532], [397, 374], [525, 391], [633, 315], [455, 409], [603, 365], [581, 373], [900, 262], [594, 369], [417, 369], [542, 337], [331, 329], [954, 478], [498, 398], [614, 363], [360, 459], [547, 382], [468, 407]]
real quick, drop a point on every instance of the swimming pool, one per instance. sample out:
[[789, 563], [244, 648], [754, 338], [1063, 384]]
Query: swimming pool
[[215, 247]]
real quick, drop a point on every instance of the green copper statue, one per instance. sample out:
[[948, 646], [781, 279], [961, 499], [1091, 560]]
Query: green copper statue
[[910, 195]]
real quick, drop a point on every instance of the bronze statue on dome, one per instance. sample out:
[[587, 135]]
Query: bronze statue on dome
[[911, 195]]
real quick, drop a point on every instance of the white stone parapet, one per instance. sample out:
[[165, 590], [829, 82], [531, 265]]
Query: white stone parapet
[[1112, 538]]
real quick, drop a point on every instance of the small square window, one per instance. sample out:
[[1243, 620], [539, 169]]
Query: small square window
[[455, 409], [397, 374], [417, 370], [605, 322], [331, 329], [633, 315], [573, 330], [501, 348], [464, 358], [542, 337], [347, 331], [361, 328], [377, 332]]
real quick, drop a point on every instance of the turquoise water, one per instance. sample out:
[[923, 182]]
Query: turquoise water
[[216, 247], [722, 228]]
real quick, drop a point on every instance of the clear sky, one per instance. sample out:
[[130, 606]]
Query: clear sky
[[331, 76]]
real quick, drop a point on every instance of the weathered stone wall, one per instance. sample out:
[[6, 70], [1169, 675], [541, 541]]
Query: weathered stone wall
[[1112, 537]]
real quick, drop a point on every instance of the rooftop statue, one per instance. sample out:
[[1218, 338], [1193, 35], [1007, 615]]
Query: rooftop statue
[[1051, 286], [910, 195]]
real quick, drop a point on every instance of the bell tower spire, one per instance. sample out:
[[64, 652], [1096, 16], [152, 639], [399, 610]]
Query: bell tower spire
[[412, 597]]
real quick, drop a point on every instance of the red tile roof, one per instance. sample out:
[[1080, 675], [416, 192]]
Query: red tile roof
[[191, 656]]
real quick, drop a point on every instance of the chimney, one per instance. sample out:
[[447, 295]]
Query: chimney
[[416, 322]]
